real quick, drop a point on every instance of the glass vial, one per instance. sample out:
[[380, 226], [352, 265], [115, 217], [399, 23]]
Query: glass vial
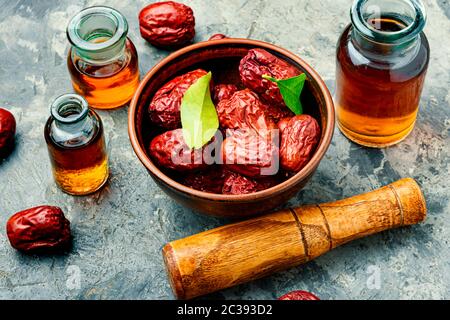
[[382, 59], [76, 146], [102, 61]]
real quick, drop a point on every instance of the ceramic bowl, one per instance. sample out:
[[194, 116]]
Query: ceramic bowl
[[222, 58]]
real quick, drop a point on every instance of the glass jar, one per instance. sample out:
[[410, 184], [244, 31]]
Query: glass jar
[[76, 146], [382, 59], [102, 61]]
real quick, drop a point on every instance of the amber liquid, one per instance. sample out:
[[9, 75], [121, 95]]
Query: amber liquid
[[377, 102], [79, 170], [106, 86]]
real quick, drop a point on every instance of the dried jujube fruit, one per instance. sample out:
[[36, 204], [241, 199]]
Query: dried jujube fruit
[[7, 132], [164, 109], [299, 138], [283, 123], [276, 114], [39, 229], [170, 151], [259, 62], [236, 184], [299, 295], [210, 180], [244, 110], [223, 92], [167, 24], [217, 36], [248, 153]]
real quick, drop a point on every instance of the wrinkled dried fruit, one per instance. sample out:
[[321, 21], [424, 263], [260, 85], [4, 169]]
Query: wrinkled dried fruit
[[250, 154], [299, 138], [7, 132], [259, 62], [217, 36], [236, 184], [283, 123], [244, 110], [167, 24], [276, 113], [170, 151], [210, 180], [164, 109], [40, 229], [299, 295], [223, 92]]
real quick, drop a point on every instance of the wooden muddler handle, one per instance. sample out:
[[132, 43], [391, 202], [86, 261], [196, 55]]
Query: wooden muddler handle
[[245, 251]]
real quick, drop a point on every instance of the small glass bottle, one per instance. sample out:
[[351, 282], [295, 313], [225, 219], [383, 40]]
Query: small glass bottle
[[76, 146], [102, 61], [382, 59]]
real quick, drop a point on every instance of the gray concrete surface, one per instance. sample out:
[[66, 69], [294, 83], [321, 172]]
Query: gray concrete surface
[[119, 231]]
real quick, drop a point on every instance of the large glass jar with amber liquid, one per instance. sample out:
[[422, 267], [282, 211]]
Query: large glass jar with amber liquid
[[382, 59], [76, 146], [102, 61]]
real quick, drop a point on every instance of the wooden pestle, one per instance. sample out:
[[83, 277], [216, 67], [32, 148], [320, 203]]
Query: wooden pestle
[[245, 251]]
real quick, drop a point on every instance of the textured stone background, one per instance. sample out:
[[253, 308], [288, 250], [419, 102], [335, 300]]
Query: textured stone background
[[119, 232]]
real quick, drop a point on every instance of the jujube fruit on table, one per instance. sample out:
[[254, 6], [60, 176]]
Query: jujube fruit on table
[[167, 24], [164, 109], [39, 229], [299, 295], [7, 132]]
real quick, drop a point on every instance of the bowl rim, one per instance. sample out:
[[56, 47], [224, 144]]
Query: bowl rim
[[279, 188]]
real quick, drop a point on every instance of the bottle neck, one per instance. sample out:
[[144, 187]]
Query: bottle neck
[[103, 57], [72, 123], [98, 35], [384, 52], [387, 29]]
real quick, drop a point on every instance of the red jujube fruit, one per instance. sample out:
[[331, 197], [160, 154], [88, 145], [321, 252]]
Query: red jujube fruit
[[217, 36], [299, 295], [248, 153], [39, 229], [244, 110], [299, 138], [167, 24], [170, 151], [7, 132], [259, 62], [210, 180], [223, 92], [236, 184], [164, 109]]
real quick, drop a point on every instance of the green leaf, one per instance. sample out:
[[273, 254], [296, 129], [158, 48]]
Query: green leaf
[[290, 90], [198, 115]]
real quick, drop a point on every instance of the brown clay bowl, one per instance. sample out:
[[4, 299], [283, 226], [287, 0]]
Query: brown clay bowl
[[222, 58]]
